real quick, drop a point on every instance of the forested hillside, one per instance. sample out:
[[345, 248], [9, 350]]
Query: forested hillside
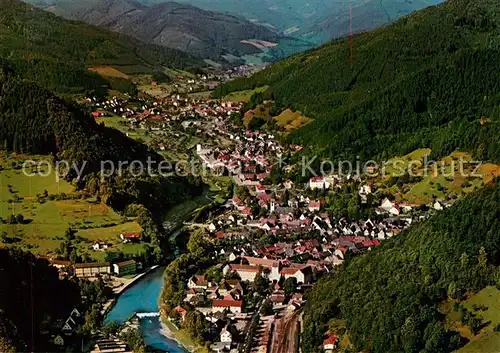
[[390, 297], [428, 80], [34, 121], [207, 34], [56, 53], [31, 298]]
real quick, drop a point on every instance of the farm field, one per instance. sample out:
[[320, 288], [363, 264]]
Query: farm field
[[45, 219]]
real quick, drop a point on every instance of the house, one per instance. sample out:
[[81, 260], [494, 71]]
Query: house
[[71, 322], [438, 206], [245, 272], [302, 274], [99, 246], [222, 305], [69, 326], [260, 189], [58, 340], [278, 297], [92, 269], [390, 206], [314, 206], [226, 336], [365, 190], [288, 184], [318, 182], [212, 227], [238, 203], [59, 264], [198, 282], [125, 268], [181, 312], [247, 212], [130, 237], [330, 343]]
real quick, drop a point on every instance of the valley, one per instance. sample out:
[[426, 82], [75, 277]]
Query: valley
[[334, 201]]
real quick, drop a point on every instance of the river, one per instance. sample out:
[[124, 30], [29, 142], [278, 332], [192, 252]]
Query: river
[[142, 296]]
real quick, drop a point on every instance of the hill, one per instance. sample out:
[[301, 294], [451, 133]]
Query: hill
[[315, 20], [206, 34], [56, 53], [34, 121], [23, 316], [366, 15], [391, 298], [426, 81]]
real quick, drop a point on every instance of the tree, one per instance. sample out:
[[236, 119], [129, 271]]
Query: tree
[[6, 346], [134, 339], [198, 245], [260, 285], [464, 260], [111, 329], [453, 291], [93, 319], [483, 258], [11, 219], [19, 218], [267, 308], [290, 285]]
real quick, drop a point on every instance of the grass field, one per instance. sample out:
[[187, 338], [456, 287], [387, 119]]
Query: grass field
[[244, 96], [291, 120], [46, 222], [486, 341], [116, 122], [442, 180], [108, 71]]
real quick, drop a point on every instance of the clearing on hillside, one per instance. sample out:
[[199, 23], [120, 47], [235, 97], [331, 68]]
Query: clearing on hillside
[[49, 206], [291, 120], [244, 96], [487, 305], [108, 71]]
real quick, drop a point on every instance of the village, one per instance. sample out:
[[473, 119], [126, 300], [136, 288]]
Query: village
[[274, 236]]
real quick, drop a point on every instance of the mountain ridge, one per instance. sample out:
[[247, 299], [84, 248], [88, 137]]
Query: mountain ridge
[[57, 53], [423, 82], [203, 33]]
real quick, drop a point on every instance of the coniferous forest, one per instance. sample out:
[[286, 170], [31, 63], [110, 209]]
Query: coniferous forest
[[57, 53], [391, 296], [428, 80]]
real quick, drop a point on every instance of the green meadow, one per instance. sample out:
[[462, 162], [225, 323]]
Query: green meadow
[[47, 219]]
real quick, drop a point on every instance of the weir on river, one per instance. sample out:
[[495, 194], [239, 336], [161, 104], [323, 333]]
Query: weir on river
[[141, 299]]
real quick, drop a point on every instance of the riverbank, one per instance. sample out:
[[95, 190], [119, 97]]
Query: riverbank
[[129, 282], [108, 306], [172, 332]]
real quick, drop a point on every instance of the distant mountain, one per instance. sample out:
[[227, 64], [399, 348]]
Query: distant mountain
[[57, 53], [366, 15], [203, 33], [314, 20], [429, 80]]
